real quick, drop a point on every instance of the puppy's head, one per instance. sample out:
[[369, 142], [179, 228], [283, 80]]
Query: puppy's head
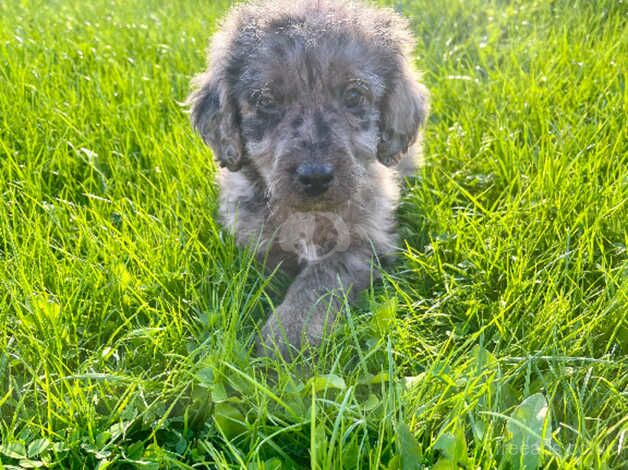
[[310, 95]]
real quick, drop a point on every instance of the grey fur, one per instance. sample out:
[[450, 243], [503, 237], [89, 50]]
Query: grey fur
[[324, 83]]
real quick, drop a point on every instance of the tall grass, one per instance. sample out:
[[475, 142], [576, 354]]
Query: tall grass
[[498, 340]]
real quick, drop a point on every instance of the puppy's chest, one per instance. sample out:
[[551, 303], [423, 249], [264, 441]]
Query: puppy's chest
[[313, 236]]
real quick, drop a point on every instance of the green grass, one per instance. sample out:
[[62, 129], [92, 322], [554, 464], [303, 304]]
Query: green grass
[[127, 314]]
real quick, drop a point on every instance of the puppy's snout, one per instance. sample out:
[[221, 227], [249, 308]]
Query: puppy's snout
[[315, 177]]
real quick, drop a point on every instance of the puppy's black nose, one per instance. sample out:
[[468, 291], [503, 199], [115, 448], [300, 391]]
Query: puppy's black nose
[[315, 177]]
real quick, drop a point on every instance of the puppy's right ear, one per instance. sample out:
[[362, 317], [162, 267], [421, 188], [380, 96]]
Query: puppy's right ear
[[404, 112], [215, 117]]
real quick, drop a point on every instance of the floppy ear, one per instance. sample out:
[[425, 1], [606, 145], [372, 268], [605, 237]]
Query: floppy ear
[[404, 110], [215, 117]]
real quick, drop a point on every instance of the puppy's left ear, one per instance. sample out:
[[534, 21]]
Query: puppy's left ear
[[403, 113], [215, 118]]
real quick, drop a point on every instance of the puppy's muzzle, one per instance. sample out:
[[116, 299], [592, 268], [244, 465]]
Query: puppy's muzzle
[[315, 178]]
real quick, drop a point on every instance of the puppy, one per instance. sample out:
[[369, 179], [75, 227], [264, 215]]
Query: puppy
[[313, 111]]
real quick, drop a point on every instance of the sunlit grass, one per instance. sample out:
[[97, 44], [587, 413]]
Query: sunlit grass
[[127, 314]]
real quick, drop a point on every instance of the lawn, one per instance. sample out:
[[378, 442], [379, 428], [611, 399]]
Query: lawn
[[499, 339]]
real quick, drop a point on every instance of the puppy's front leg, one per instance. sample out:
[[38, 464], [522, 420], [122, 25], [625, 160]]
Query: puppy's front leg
[[313, 301]]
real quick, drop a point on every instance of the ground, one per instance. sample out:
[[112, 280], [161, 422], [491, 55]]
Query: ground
[[497, 340]]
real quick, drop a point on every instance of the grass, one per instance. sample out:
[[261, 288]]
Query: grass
[[498, 340]]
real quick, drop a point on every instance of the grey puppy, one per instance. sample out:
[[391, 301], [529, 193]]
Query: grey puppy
[[313, 110]]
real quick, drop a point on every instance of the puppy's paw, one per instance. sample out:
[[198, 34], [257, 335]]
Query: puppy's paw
[[280, 337], [297, 323]]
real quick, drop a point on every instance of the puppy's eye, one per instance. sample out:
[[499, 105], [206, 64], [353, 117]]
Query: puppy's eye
[[354, 96]]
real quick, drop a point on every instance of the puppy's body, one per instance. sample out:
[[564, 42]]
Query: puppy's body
[[308, 106]]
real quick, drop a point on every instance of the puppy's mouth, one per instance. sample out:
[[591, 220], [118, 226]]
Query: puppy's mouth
[[304, 201], [316, 199], [316, 204]]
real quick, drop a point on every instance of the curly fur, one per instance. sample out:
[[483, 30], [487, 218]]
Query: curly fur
[[324, 83]]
